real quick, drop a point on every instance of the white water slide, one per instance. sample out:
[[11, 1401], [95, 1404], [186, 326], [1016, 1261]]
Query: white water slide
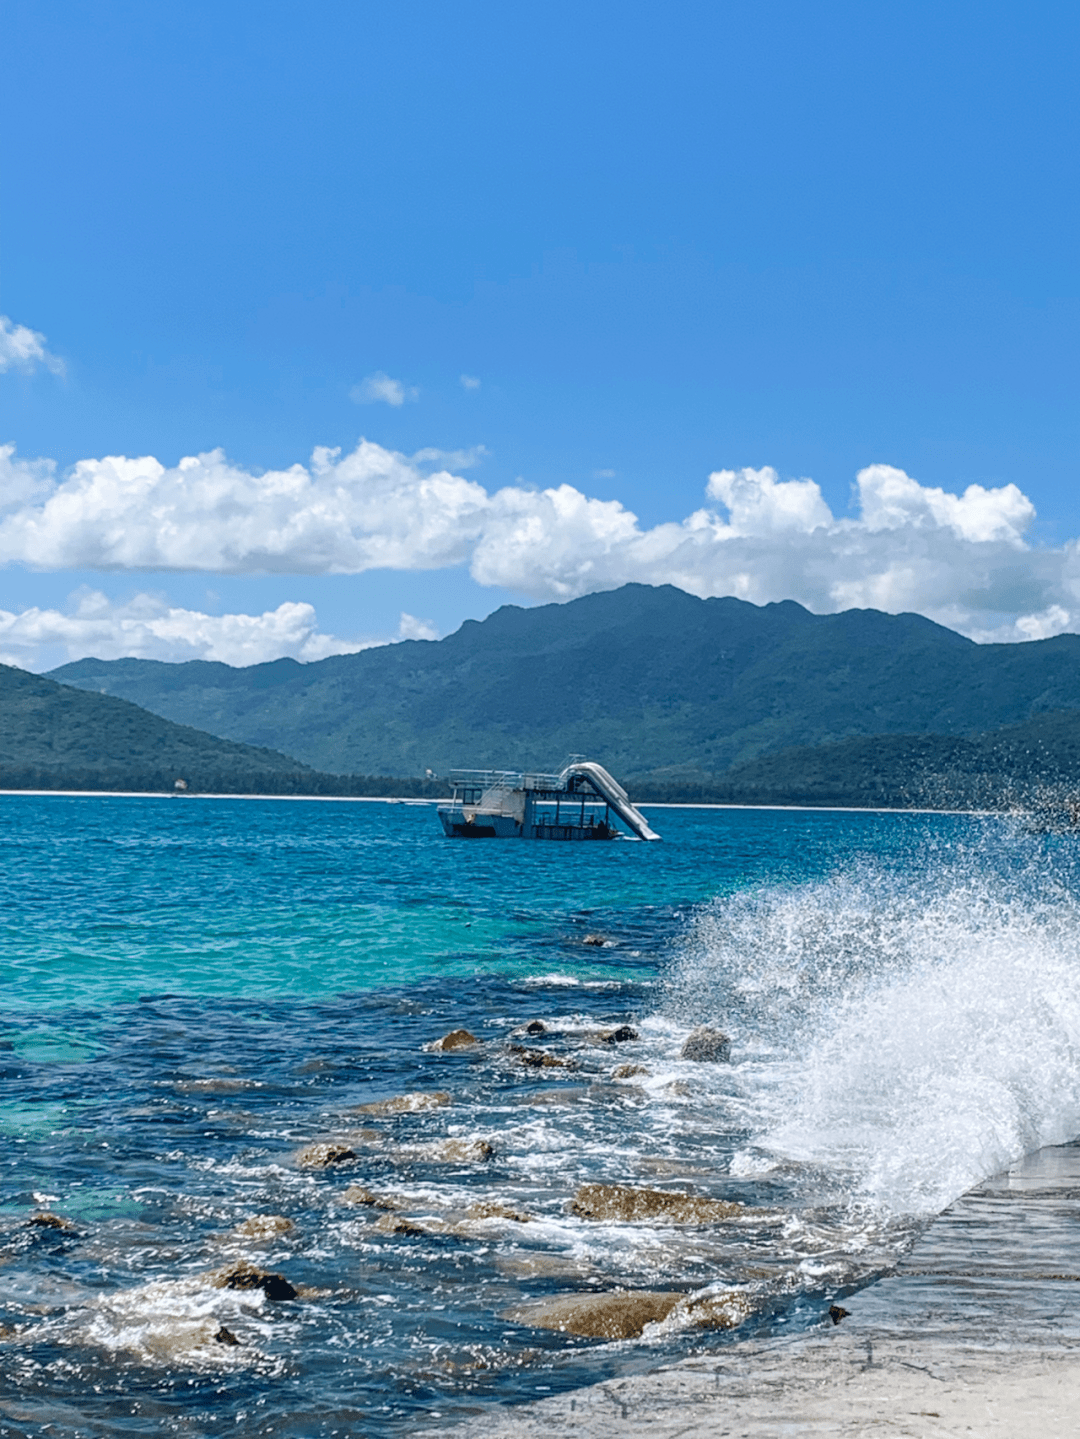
[[614, 793]]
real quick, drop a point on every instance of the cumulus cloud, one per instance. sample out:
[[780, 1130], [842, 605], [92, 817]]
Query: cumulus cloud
[[24, 349], [469, 382], [148, 627], [963, 559], [379, 388]]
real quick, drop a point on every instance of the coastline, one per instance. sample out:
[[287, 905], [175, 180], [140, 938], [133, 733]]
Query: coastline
[[976, 1333], [416, 799]]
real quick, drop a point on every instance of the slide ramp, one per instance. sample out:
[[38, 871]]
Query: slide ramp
[[615, 795]]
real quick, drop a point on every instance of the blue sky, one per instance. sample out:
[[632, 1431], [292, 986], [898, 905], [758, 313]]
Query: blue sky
[[659, 242]]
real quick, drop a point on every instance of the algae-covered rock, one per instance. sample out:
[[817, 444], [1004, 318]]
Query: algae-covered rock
[[618, 1314], [622, 1203], [706, 1045], [405, 1103], [246, 1276]]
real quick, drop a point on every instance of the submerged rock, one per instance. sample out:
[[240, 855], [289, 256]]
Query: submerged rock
[[625, 1204], [619, 1314], [707, 1046], [718, 1311], [395, 1224], [452, 1151], [361, 1194], [534, 1026], [622, 1035], [597, 939], [246, 1276], [405, 1103], [628, 1071], [492, 1209], [264, 1226], [325, 1156], [45, 1220], [456, 1039], [538, 1058]]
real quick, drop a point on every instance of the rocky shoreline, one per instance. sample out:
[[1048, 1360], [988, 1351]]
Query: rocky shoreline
[[976, 1333]]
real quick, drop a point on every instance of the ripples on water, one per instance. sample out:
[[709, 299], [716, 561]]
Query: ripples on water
[[196, 990]]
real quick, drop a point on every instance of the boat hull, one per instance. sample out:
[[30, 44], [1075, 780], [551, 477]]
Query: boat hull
[[461, 825]]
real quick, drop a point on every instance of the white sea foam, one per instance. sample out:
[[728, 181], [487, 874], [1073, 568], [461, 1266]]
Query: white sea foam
[[911, 1029]]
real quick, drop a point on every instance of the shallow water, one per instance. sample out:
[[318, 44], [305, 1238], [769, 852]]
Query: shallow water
[[195, 990]]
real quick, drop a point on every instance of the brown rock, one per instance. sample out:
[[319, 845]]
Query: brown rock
[[246, 1276], [622, 1203], [361, 1194], [707, 1046], [325, 1156], [492, 1209], [628, 1071], [405, 1103], [264, 1226], [225, 1336], [456, 1039], [620, 1314], [836, 1313], [394, 1224]]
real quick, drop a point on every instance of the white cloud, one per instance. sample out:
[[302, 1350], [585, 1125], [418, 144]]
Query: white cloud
[[469, 382], [24, 349], [148, 627], [962, 559], [411, 628], [380, 388]]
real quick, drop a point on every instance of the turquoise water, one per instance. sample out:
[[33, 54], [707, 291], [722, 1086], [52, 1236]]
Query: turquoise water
[[196, 990]]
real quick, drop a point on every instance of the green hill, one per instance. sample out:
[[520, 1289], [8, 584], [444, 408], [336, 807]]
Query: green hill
[[1035, 765], [654, 683], [56, 737]]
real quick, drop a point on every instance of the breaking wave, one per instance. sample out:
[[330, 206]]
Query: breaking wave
[[909, 1026]]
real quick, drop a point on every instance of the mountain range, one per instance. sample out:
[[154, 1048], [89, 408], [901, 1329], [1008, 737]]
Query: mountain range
[[669, 691]]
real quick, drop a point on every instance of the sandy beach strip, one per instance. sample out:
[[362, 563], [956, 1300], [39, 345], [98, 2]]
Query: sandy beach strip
[[976, 1335]]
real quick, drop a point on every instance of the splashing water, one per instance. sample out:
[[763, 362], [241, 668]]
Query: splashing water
[[911, 1029]]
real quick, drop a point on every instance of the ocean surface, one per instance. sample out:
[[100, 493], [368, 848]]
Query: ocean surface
[[196, 991]]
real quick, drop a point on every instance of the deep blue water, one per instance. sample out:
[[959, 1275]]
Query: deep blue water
[[195, 990]]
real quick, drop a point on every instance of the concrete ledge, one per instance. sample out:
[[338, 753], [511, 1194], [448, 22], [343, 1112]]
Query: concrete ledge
[[977, 1335]]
